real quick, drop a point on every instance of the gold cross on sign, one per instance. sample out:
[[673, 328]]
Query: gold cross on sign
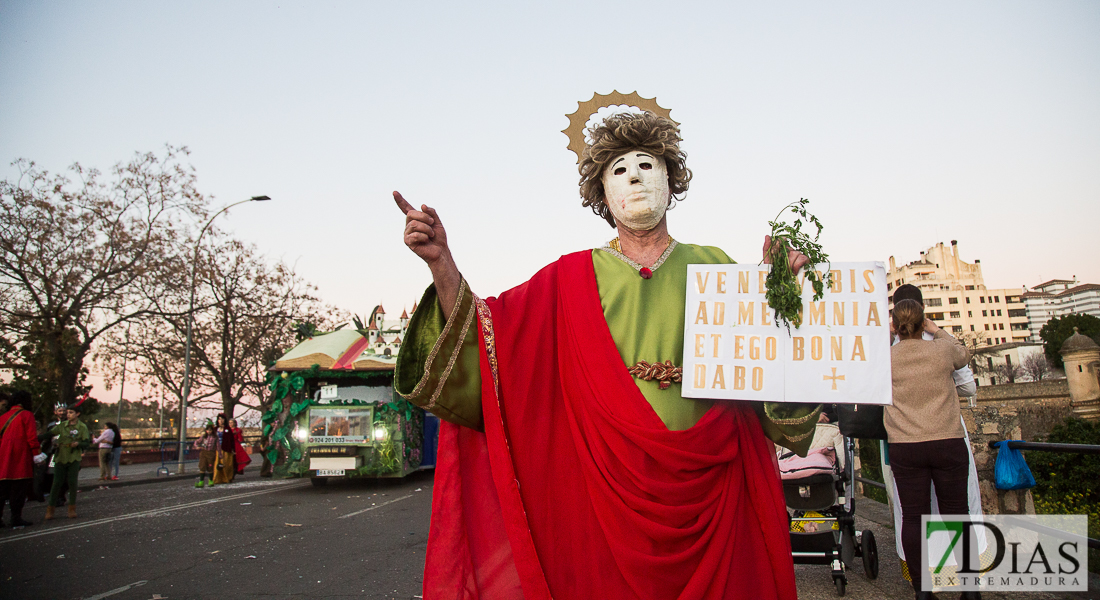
[[834, 377]]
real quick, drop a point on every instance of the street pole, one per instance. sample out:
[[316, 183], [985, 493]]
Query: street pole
[[122, 385], [190, 320]]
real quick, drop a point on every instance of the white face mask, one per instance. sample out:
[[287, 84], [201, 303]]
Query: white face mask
[[635, 187]]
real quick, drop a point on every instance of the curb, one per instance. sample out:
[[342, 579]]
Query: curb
[[95, 485]]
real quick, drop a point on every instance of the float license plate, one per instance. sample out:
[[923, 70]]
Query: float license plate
[[330, 472]]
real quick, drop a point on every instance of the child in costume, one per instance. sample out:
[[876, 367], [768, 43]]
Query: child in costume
[[207, 446]]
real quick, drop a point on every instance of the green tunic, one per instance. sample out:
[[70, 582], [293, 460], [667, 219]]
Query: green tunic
[[646, 320], [65, 432]]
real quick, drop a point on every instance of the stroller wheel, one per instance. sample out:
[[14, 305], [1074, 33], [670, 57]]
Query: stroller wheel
[[839, 580], [869, 550]]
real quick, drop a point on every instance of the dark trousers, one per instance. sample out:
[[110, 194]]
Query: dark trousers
[[64, 473], [14, 491], [916, 467]]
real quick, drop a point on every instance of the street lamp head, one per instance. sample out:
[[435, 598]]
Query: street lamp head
[[259, 198]]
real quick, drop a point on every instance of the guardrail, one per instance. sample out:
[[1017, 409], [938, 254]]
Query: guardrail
[[170, 452], [1045, 447], [871, 482]]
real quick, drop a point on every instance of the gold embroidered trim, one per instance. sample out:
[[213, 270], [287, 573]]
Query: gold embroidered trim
[[451, 362], [438, 344], [799, 438], [794, 421], [633, 265], [490, 340]]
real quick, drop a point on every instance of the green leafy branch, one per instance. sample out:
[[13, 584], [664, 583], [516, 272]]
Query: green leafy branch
[[783, 292]]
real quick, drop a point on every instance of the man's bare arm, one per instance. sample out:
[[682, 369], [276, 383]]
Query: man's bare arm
[[425, 236]]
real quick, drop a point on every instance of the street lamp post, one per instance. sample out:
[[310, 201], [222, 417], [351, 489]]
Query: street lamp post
[[122, 384], [190, 320]]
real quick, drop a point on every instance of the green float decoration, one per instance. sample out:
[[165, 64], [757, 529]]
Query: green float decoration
[[297, 408]]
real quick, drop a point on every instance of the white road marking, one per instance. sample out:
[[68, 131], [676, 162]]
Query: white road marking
[[359, 512], [117, 590], [146, 513]]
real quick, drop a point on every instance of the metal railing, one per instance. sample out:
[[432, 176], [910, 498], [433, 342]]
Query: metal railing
[[154, 443], [871, 482], [170, 451], [1046, 447]]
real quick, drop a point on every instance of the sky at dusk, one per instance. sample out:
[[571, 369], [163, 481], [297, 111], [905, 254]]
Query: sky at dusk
[[905, 124]]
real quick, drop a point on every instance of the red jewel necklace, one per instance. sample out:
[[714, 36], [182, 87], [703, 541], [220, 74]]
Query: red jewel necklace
[[644, 272]]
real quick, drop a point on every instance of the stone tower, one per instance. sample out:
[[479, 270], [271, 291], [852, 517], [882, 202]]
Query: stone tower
[[1081, 356]]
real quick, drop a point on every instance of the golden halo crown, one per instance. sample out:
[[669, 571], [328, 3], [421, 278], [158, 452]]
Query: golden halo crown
[[585, 110]]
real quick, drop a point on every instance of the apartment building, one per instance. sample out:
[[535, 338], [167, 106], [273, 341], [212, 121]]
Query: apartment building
[[957, 299], [1059, 297]]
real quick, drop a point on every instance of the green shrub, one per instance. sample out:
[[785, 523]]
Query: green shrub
[[1066, 482], [1059, 475], [1074, 504]]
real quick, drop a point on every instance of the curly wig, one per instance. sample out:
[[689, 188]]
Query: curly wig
[[621, 133]]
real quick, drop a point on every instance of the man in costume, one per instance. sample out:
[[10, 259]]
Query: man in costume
[[570, 466], [19, 452], [73, 439]]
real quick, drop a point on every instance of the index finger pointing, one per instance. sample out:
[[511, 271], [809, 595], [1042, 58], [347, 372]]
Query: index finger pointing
[[402, 203]]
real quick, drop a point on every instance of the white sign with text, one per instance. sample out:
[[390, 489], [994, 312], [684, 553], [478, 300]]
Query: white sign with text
[[733, 349]]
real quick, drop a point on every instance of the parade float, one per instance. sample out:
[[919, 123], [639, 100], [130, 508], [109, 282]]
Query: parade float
[[335, 414]]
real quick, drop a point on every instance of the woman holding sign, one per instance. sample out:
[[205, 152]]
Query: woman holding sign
[[927, 442]]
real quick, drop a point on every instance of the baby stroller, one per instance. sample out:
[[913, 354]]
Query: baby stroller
[[827, 489]]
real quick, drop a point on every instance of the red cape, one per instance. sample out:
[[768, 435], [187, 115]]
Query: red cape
[[241, 457], [19, 444], [576, 489]]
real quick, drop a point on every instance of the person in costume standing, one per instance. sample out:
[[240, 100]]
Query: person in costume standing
[[207, 445], [19, 452], [927, 444], [570, 465], [239, 453], [48, 441], [72, 439], [227, 448]]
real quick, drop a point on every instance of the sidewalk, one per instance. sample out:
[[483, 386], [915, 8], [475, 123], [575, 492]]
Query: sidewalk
[[143, 473]]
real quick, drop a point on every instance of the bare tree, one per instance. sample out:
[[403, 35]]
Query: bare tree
[[1036, 366], [76, 253], [245, 308], [1009, 370], [975, 342]]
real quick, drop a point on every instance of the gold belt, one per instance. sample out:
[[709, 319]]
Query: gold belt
[[664, 372]]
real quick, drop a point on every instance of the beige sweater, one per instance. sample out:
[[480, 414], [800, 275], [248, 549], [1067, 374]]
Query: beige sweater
[[926, 406]]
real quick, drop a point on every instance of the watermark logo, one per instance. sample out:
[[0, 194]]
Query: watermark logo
[[1005, 553]]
